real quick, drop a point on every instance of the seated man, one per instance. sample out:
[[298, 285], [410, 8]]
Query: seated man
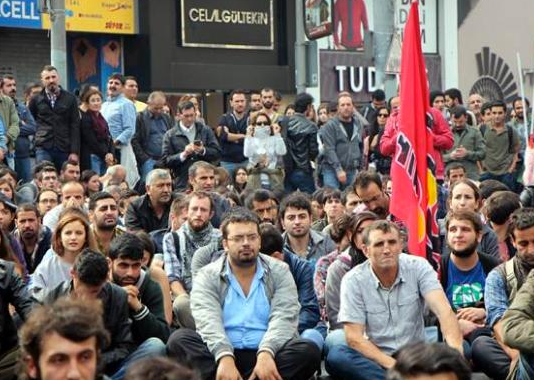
[[464, 271], [333, 206], [145, 300], [384, 298], [246, 311], [63, 340], [89, 280], [12, 292]]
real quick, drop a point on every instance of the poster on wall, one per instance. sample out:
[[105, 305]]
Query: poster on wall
[[318, 18]]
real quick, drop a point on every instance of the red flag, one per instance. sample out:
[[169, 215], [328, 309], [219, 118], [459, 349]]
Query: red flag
[[414, 198]]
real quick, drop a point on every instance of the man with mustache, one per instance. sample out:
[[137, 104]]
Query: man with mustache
[[464, 271], [145, 299], [57, 138], [368, 186], [104, 215], [179, 247]]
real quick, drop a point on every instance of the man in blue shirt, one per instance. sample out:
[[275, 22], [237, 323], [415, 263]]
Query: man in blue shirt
[[246, 310]]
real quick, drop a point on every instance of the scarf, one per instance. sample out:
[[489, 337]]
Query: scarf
[[100, 125]]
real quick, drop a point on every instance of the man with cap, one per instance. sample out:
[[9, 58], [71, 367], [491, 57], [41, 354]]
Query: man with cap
[[469, 145]]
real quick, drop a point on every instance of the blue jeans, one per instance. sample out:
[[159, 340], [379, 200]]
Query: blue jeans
[[508, 179], [232, 166], [299, 180], [152, 347], [97, 165], [54, 155], [334, 338], [330, 179], [315, 336], [146, 168], [345, 363], [23, 167], [525, 367]]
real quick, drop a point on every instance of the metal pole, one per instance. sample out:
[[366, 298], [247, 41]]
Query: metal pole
[[384, 26], [300, 48], [58, 39], [522, 87]]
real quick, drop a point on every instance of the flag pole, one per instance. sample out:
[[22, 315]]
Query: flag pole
[[526, 134]]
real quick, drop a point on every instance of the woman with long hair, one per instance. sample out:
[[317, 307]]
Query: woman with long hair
[[7, 253], [372, 142], [264, 147], [91, 182], [97, 149], [72, 235], [239, 179], [322, 115]]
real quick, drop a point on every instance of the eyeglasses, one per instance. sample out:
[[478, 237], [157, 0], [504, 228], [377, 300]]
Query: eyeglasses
[[263, 124], [383, 115], [241, 238]]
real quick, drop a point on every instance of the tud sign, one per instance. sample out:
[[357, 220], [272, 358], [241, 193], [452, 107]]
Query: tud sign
[[229, 24]]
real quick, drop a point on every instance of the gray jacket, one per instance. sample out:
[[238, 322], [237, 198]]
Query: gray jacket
[[340, 151], [209, 292]]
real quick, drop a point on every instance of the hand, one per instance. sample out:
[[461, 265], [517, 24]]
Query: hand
[[460, 152], [250, 130], [472, 314], [133, 300], [226, 370], [467, 327], [276, 128], [265, 368], [189, 149], [73, 157], [342, 177], [511, 169], [109, 159], [116, 143], [198, 148], [226, 130]]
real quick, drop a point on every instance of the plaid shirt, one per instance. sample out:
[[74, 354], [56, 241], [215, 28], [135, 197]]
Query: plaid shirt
[[495, 297], [319, 280]]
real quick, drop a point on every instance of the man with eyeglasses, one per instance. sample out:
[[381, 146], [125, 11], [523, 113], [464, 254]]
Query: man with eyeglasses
[[179, 247], [246, 310]]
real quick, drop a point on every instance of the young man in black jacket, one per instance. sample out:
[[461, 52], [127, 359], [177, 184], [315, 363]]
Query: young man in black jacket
[[90, 274], [145, 299]]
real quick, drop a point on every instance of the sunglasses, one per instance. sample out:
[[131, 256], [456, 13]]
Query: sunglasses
[[263, 124], [383, 115]]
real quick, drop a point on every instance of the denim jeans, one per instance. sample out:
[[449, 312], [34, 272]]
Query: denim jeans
[[330, 179], [54, 155], [315, 336], [152, 347], [23, 167], [299, 180], [334, 338], [146, 168], [508, 179], [97, 165], [232, 166], [345, 363], [525, 367]]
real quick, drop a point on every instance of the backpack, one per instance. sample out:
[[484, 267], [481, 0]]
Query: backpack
[[507, 271], [510, 132]]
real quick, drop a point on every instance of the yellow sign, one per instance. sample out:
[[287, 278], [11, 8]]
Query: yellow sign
[[98, 16]]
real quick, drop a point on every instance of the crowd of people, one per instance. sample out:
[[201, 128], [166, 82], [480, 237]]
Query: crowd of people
[[141, 243]]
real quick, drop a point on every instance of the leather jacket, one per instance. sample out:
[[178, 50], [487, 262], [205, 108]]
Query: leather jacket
[[300, 135]]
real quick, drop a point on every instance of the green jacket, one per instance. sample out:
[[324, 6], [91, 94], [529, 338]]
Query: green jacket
[[8, 113], [471, 139]]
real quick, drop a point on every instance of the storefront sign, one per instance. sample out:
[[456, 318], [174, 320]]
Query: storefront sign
[[20, 14], [231, 24]]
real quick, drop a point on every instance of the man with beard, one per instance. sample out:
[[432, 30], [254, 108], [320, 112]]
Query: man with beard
[[264, 204], [179, 247], [104, 215], [490, 354], [57, 138], [299, 238], [8, 87], [145, 299], [62, 341], [246, 309], [255, 101], [150, 212], [267, 102], [202, 178], [34, 239], [464, 271], [368, 186]]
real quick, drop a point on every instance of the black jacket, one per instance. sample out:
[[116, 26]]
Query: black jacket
[[300, 136], [57, 127], [488, 263], [142, 134], [174, 143], [150, 321], [91, 143], [115, 302], [43, 245], [12, 292], [140, 215]]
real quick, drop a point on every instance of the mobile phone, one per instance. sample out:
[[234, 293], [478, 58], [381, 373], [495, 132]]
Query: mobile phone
[[197, 142]]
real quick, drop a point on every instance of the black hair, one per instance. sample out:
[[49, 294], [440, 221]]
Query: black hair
[[485, 106], [271, 239], [259, 195], [416, 359], [91, 267], [520, 99], [330, 193], [297, 201], [500, 205], [117, 76], [160, 368], [236, 92], [499, 104], [455, 166], [238, 215], [302, 101], [94, 198], [379, 95], [455, 94], [187, 105], [522, 219], [69, 162], [126, 246], [434, 94], [490, 186], [148, 244], [365, 178]]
